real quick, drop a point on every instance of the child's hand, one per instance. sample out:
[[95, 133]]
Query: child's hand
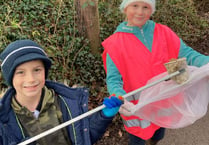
[[126, 108], [112, 106]]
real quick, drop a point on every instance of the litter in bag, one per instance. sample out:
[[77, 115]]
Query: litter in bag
[[171, 105]]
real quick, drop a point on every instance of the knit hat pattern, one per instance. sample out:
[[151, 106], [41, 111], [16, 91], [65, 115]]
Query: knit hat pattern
[[19, 52], [125, 3]]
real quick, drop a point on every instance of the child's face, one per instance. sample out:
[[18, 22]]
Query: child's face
[[29, 79], [138, 13]]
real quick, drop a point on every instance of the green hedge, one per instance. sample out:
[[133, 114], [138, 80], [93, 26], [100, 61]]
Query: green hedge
[[53, 25]]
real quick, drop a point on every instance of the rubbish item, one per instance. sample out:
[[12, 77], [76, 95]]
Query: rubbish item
[[175, 65], [173, 105]]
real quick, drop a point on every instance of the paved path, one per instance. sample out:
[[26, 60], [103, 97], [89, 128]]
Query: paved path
[[196, 134]]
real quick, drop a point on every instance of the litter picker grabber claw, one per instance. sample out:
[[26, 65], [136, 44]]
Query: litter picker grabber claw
[[43, 134]]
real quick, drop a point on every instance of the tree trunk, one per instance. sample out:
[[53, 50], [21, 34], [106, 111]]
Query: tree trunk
[[88, 14]]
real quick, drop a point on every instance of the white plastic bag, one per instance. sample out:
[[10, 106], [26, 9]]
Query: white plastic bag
[[171, 105]]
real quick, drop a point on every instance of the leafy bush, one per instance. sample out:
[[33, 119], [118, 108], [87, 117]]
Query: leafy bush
[[52, 23], [202, 5], [110, 17], [183, 18]]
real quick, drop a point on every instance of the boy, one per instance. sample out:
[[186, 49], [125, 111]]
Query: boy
[[33, 105]]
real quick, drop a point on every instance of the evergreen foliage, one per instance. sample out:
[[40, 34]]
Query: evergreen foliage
[[52, 23]]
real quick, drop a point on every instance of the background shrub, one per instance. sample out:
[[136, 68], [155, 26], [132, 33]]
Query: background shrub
[[52, 23]]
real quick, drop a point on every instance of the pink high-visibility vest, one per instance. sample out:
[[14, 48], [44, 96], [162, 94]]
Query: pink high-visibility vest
[[137, 65]]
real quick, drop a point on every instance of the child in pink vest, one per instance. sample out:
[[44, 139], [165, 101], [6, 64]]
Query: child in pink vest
[[135, 53]]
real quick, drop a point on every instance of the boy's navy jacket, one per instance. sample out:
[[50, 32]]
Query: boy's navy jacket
[[83, 132]]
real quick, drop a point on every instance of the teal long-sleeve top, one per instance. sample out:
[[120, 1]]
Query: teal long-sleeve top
[[145, 35]]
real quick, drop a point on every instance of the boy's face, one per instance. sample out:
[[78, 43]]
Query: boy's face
[[29, 79], [138, 13]]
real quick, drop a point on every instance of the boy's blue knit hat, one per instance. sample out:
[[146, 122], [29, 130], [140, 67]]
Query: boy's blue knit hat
[[18, 52], [125, 3]]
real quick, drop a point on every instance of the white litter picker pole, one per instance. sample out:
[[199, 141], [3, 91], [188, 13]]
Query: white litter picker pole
[[52, 130]]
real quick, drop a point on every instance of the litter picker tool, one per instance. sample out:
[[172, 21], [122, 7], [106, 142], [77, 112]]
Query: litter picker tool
[[175, 74]]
